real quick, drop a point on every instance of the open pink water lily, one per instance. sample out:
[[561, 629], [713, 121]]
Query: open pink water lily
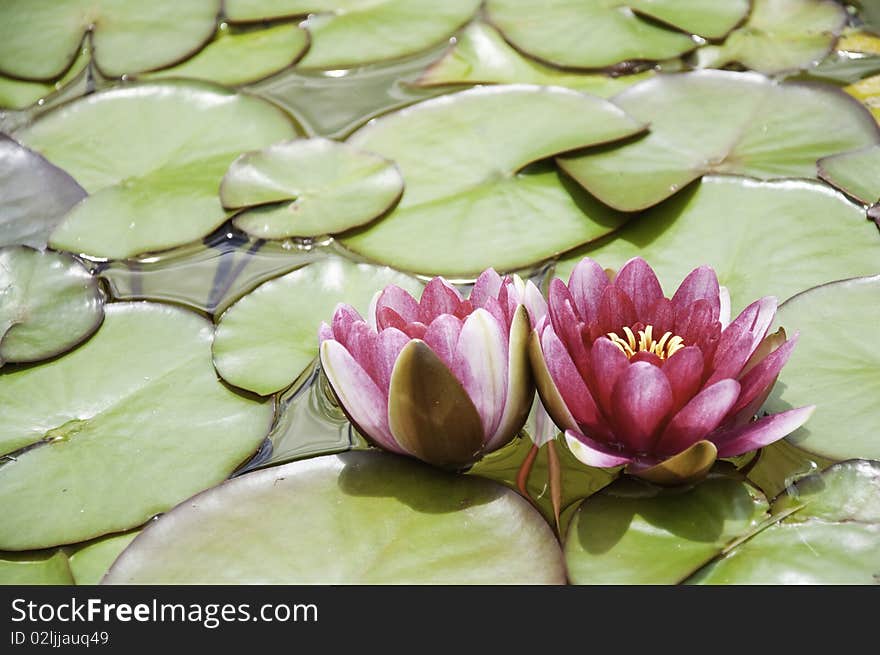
[[661, 385], [444, 379]]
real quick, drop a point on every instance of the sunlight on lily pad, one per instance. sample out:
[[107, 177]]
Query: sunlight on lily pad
[[42, 568], [266, 339], [779, 36], [468, 203], [152, 156], [834, 367], [90, 562], [368, 518], [124, 427], [634, 534], [855, 173], [480, 55], [833, 539], [36, 195], [48, 304], [309, 187], [235, 57], [783, 237], [600, 33], [39, 39], [349, 33], [720, 122]]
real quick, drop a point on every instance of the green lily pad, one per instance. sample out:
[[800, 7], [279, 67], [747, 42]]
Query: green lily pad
[[480, 55], [43, 568], [833, 539], [152, 155], [601, 33], [238, 57], [49, 303], [89, 563], [780, 36], [207, 278], [354, 518], [266, 339], [834, 367], [325, 187], [18, 94], [720, 122], [39, 39], [468, 203], [36, 195], [348, 33], [781, 464], [124, 427], [633, 534], [762, 238], [856, 173]]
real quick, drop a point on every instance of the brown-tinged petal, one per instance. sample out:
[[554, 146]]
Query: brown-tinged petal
[[520, 388], [688, 466], [429, 412], [638, 280]]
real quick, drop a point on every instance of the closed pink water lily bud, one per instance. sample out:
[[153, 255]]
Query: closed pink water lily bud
[[444, 379], [661, 385]]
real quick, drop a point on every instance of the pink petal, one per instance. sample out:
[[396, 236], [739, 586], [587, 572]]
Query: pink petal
[[642, 399], [567, 324], [698, 418], [481, 366], [387, 317], [638, 280], [694, 322], [415, 330], [616, 310], [403, 304], [586, 284], [343, 318], [724, 315], [362, 346], [700, 284], [442, 337], [756, 382], [388, 346], [324, 333], [439, 297], [742, 337], [662, 316], [762, 432], [607, 362], [535, 304], [645, 356], [568, 381], [684, 370], [594, 453], [487, 286], [499, 313], [358, 394]]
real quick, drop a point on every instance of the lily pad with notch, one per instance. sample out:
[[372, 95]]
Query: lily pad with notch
[[471, 200], [309, 187]]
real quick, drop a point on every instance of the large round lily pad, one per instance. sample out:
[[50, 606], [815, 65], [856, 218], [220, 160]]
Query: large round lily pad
[[49, 303], [600, 33], [829, 533], [309, 187], [40, 38], [855, 173], [36, 195], [348, 33], [762, 238], [238, 57], [633, 536], [720, 122], [369, 518], [152, 155], [266, 339], [468, 203], [480, 55], [834, 367], [780, 36], [124, 427]]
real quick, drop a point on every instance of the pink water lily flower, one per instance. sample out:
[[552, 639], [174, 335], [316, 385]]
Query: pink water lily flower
[[444, 379], [661, 385]]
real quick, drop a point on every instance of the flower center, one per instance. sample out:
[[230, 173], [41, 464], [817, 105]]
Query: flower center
[[665, 346]]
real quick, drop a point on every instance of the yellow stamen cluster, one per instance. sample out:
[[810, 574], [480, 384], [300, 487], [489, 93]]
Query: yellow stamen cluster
[[665, 347]]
